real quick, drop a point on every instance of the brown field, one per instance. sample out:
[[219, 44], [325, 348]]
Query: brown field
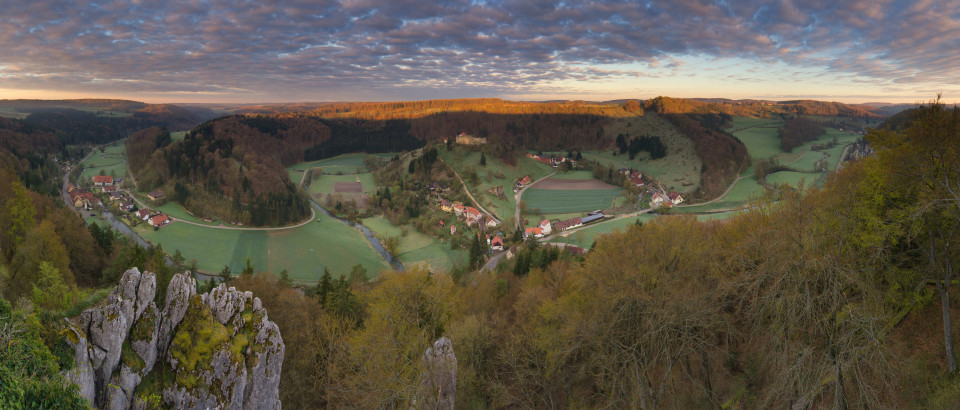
[[348, 187], [573, 184]]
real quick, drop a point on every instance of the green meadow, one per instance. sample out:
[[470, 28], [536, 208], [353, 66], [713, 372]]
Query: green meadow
[[304, 252], [417, 247], [553, 201], [112, 161]]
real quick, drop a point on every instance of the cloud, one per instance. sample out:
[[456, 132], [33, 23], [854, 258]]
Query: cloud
[[301, 49]]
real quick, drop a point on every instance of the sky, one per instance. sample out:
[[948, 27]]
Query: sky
[[235, 51]]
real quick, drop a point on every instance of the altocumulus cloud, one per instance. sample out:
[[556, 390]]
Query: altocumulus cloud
[[373, 49]]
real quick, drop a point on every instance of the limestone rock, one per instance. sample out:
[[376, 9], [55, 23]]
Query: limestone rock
[[225, 303], [108, 332], [82, 372], [119, 344], [181, 288], [438, 386], [263, 390]]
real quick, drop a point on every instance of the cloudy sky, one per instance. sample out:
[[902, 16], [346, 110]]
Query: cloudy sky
[[377, 50]]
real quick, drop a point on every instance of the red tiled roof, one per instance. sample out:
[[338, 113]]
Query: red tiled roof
[[159, 219], [103, 179]]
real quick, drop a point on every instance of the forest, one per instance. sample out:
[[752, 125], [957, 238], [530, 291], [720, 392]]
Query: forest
[[797, 131]]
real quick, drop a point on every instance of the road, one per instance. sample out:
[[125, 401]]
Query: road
[[472, 199], [516, 200]]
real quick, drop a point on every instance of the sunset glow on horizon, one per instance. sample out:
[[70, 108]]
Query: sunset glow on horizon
[[367, 50]]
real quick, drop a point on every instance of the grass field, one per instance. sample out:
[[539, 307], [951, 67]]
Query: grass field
[[177, 136], [324, 184], [580, 175], [552, 201], [792, 178], [740, 195], [112, 161], [345, 164], [173, 209], [417, 247], [304, 252], [503, 208]]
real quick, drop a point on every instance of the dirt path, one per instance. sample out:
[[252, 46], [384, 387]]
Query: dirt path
[[472, 199]]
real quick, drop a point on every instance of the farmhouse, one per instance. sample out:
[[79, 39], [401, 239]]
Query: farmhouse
[[473, 215], [569, 223], [126, 206], [159, 220], [496, 243], [675, 198], [536, 232], [545, 226], [657, 199], [102, 180], [81, 198], [155, 195]]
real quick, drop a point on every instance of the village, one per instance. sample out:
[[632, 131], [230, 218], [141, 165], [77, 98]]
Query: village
[[111, 197]]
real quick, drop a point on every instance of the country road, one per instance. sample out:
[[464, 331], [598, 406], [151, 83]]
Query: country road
[[516, 200]]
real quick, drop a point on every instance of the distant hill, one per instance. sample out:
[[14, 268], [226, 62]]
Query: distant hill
[[755, 108], [886, 109], [98, 120]]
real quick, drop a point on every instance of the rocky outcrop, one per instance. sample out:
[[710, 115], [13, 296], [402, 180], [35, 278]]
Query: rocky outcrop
[[438, 386], [215, 350]]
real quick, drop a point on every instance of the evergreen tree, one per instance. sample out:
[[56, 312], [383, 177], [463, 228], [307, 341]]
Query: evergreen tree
[[483, 159]]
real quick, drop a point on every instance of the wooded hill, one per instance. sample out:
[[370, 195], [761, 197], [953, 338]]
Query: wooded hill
[[668, 105], [100, 121]]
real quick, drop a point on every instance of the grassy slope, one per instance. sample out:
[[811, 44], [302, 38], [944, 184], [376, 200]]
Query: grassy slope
[[417, 247], [680, 165], [112, 160], [303, 251]]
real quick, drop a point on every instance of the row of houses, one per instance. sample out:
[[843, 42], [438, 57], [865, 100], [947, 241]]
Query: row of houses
[[471, 214], [658, 199], [546, 228]]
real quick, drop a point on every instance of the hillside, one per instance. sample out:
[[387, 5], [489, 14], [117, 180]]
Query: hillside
[[98, 121]]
